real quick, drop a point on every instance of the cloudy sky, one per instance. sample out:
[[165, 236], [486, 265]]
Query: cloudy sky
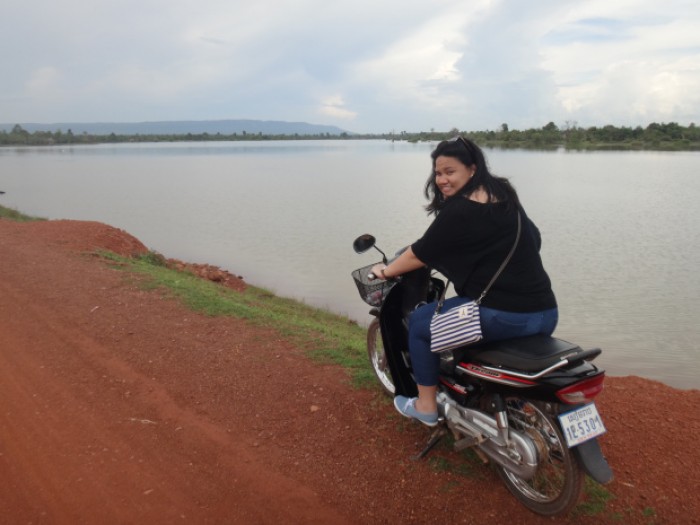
[[363, 65]]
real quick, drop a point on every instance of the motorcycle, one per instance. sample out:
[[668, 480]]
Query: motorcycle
[[526, 404]]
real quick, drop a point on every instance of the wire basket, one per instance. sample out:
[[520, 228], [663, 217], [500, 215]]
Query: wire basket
[[374, 291]]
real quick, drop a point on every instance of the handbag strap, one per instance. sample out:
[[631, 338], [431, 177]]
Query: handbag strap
[[495, 276]]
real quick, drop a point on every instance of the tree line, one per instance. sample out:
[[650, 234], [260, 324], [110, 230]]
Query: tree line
[[656, 136]]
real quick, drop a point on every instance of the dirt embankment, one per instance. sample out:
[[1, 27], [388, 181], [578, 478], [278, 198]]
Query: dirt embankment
[[118, 405]]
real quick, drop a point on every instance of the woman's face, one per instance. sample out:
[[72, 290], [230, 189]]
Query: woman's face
[[451, 175]]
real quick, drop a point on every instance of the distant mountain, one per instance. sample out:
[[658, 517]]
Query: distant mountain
[[183, 127]]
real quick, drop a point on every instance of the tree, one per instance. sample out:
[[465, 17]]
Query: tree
[[549, 135], [19, 135]]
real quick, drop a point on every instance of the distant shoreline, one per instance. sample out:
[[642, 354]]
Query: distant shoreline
[[655, 137]]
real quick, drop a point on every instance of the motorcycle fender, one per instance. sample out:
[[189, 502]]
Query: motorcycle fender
[[591, 458]]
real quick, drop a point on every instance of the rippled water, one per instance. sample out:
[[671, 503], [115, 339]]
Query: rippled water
[[620, 230]]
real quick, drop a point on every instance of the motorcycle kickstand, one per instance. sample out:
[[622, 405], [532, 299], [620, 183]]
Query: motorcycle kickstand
[[437, 435]]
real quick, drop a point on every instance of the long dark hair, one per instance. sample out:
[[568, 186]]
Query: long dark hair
[[468, 153]]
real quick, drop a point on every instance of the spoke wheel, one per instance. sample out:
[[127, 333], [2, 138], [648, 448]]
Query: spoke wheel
[[557, 484], [377, 358]]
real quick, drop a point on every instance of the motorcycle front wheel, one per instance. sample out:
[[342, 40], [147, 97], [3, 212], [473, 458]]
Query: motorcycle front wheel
[[556, 487], [377, 358]]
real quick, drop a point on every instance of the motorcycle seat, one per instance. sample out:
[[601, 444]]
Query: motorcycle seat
[[529, 354]]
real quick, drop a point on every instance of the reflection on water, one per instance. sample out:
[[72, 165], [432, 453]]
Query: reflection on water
[[620, 236]]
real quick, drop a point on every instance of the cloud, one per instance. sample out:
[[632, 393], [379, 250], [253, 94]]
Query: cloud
[[334, 106], [633, 92], [44, 81], [643, 65], [374, 65]]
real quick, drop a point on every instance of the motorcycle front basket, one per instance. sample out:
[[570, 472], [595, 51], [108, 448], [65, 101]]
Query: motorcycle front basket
[[374, 291]]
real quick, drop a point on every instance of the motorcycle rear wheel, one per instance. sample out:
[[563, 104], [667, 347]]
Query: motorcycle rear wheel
[[377, 358], [556, 487]]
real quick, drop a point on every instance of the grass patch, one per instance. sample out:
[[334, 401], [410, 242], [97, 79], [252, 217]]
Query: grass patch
[[596, 499], [465, 463], [324, 336], [14, 215], [465, 468]]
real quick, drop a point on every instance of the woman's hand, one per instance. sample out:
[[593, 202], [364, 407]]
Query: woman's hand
[[405, 262], [378, 271]]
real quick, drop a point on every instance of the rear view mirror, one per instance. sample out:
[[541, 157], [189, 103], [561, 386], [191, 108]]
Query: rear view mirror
[[363, 243]]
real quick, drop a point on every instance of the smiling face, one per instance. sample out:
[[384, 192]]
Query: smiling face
[[451, 175]]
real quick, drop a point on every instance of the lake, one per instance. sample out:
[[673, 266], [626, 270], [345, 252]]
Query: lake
[[620, 229]]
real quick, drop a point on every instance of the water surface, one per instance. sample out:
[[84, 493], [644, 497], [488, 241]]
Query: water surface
[[620, 234]]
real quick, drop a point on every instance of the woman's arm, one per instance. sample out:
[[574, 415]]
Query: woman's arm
[[404, 263]]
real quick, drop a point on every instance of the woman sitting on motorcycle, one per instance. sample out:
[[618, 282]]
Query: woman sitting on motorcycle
[[474, 229]]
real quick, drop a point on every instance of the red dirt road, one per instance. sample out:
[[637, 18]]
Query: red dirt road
[[118, 405]]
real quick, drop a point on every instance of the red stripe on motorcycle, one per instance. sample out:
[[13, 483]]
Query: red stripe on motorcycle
[[494, 376]]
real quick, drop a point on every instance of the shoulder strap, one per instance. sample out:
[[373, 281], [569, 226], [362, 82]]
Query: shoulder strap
[[495, 276]]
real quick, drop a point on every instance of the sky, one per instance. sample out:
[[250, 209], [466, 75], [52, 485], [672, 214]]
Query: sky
[[366, 66]]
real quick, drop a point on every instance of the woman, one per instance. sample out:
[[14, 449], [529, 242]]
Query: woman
[[475, 227]]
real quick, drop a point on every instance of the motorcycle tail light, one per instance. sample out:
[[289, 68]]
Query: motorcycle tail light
[[583, 391]]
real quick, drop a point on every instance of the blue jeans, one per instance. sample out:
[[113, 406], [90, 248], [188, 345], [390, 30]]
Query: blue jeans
[[495, 325]]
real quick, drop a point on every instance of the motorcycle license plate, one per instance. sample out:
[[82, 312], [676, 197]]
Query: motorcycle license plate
[[581, 424]]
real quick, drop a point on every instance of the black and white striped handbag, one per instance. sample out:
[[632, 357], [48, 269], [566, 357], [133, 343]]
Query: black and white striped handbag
[[461, 325]]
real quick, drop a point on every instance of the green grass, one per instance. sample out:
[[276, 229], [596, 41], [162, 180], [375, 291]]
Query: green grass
[[14, 215], [596, 499], [324, 336], [461, 465]]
